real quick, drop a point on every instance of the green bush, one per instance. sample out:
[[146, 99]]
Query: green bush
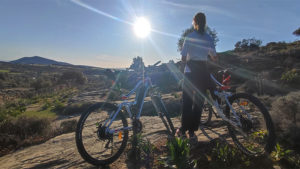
[[224, 154], [287, 157], [73, 77], [12, 109], [41, 83], [280, 152], [114, 94], [58, 106], [179, 153], [141, 150], [290, 76], [46, 105]]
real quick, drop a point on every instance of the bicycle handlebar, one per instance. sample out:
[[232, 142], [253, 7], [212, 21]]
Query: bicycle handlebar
[[155, 64], [225, 70]]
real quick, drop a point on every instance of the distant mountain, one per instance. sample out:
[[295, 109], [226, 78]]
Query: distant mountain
[[38, 60]]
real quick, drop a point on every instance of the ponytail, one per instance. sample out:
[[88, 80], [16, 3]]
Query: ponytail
[[200, 22]]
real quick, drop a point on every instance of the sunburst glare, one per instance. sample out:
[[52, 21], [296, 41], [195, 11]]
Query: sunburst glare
[[142, 27]]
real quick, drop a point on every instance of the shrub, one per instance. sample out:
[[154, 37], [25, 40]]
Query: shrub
[[225, 154], [68, 126], [290, 76], [23, 131], [73, 77], [46, 105], [279, 152], [58, 106], [75, 108], [25, 127], [40, 83], [287, 157], [286, 116], [141, 150], [114, 94], [3, 76], [12, 109]]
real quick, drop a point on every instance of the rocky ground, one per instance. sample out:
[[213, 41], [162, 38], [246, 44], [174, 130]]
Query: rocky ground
[[61, 151]]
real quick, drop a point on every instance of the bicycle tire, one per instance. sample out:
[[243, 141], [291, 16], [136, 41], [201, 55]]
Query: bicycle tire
[[81, 147], [164, 113], [209, 111], [268, 136]]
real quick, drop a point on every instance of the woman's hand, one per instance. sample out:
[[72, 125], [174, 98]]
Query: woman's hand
[[181, 66], [213, 58]]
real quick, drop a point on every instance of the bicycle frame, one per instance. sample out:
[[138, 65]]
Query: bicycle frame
[[146, 82], [224, 96]]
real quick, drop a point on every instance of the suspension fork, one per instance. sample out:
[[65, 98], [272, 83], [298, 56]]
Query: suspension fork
[[112, 118], [233, 111]]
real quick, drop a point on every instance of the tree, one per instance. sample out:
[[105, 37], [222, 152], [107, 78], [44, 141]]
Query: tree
[[212, 33], [254, 43], [248, 44], [137, 64], [73, 77], [297, 32], [238, 45]]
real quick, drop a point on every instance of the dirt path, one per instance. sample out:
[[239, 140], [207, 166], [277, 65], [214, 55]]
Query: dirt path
[[61, 151]]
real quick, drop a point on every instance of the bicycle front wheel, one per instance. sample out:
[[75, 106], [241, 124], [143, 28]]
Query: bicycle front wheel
[[206, 114], [256, 134], [94, 143], [163, 114]]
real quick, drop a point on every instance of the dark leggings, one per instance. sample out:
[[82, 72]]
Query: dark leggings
[[194, 92]]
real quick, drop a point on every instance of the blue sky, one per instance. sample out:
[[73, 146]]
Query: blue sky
[[99, 33]]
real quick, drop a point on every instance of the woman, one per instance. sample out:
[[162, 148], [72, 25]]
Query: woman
[[197, 46]]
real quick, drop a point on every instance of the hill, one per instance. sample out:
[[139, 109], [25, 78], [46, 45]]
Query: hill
[[51, 97], [38, 60]]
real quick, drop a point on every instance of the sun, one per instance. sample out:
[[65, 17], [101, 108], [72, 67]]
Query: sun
[[142, 27]]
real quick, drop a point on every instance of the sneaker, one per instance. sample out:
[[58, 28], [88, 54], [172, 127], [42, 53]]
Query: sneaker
[[180, 133], [193, 140]]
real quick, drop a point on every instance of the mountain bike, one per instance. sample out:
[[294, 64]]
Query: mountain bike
[[102, 131], [248, 121]]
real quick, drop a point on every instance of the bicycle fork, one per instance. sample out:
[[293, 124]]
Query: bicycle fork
[[157, 103]]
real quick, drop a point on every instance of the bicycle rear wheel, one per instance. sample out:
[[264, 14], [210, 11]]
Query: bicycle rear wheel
[[94, 143], [256, 134]]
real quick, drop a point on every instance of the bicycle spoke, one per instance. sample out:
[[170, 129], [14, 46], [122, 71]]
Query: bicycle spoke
[[97, 142]]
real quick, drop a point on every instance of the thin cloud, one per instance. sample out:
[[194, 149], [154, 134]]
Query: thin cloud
[[254, 29], [80, 3], [206, 8]]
